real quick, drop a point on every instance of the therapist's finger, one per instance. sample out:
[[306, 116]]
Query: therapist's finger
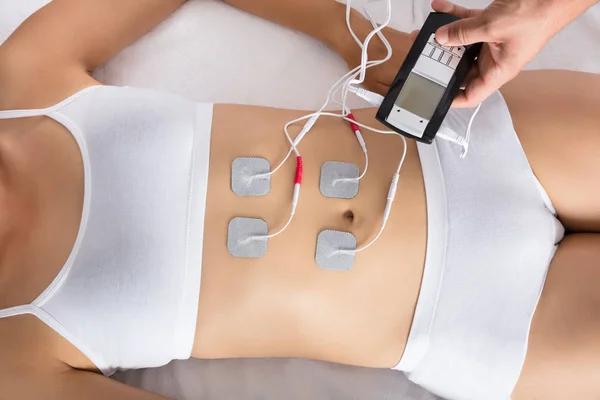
[[475, 92], [471, 28], [472, 74], [464, 32]]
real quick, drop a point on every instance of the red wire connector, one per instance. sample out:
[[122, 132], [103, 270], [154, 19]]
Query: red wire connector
[[352, 123], [297, 183], [356, 129], [299, 171]]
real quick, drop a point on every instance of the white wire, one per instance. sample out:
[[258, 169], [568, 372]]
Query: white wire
[[342, 84], [384, 222], [468, 134], [368, 244], [451, 135], [361, 175], [348, 10], [403, 155], [344, 117], [281, 230], [366, 167], [364, 55], [344, 81], [356, 77], [370, 63], [287, 125]]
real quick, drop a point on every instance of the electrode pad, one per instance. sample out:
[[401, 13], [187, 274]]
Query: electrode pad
[[249, 176], [246, 237], [339, 180], [335, 250]]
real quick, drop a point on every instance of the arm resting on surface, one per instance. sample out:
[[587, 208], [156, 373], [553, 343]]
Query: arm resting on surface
[[51, 54], [322, 19]]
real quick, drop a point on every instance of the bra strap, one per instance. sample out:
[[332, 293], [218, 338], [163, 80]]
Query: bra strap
[[22, 113], [46, 111]]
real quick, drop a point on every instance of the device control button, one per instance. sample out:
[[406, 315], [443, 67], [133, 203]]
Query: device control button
[[454, 62], [445, 58], [428, 50], [437, 54], [458, 50], [434, 70]]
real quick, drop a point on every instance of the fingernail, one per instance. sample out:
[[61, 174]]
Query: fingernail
[[441, 36]]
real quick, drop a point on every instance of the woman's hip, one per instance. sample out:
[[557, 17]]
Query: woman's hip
[[491, 236]]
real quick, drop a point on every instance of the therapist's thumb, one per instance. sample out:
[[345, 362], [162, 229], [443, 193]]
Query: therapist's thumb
[[472, 28]]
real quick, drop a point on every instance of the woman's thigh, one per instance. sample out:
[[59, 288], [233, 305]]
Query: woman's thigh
[[563, 357], [556, 117]]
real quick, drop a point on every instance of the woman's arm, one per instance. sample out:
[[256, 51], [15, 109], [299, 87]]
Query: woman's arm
[[325, 20], [51, 54]]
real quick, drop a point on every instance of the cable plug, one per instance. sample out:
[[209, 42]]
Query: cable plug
[[356, 130], [370, 97]]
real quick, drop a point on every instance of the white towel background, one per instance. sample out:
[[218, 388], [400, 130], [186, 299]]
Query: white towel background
[[209, 51]]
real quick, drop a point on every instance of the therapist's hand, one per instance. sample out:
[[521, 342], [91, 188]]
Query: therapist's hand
[[513, 32]]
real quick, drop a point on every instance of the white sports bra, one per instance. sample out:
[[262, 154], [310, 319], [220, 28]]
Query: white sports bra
[[127, 296]]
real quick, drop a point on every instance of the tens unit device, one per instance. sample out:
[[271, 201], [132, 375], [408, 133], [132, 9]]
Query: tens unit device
[[429, 79]]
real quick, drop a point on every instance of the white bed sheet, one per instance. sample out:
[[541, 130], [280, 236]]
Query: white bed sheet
[[211, 52]]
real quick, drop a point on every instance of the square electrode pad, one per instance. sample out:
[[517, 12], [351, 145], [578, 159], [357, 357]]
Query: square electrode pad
[[339, 180], [335, 250], [249, 176], [246, 237]]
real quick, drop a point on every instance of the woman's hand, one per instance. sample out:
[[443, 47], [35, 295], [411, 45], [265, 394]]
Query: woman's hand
[[378, 78]]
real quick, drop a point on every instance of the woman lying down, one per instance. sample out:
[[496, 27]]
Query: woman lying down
[[116, 203]]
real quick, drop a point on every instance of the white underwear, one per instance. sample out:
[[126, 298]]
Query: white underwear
[[492, 233]]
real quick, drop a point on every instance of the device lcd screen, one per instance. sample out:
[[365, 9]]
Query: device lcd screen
[[420, 96]]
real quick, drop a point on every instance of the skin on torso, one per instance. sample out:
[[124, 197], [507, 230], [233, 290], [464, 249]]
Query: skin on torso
[[555, 114], [280, 305], [284, 304], [42, 190]]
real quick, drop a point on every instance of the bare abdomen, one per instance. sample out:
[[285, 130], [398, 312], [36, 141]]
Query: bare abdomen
[[283, 304]]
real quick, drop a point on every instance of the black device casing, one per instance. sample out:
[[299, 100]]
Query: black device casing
[[433, 22]]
